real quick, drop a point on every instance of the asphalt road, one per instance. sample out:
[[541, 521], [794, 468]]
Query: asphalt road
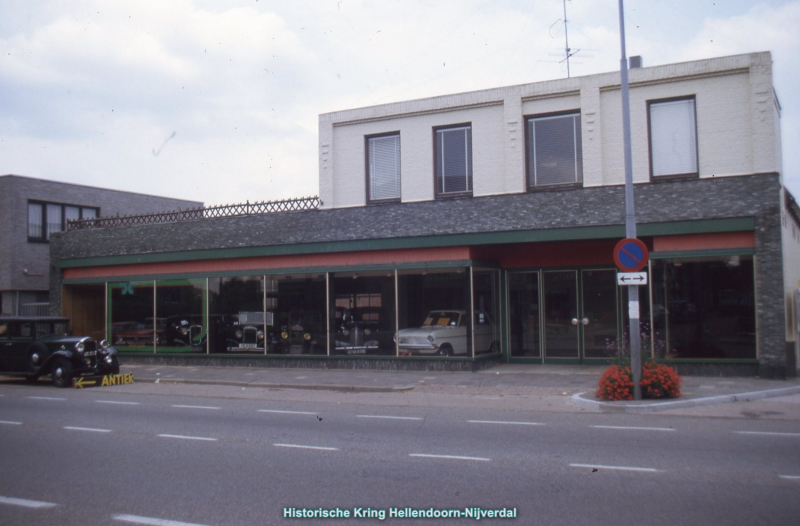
[[121, 456]]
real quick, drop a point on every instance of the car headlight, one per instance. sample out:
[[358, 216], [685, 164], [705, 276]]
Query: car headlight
[[103, 344], [109, 360], [346, 332], [431, 338], [307, 336], [285, 335], [367, 332], [260, 335], [238, 333], [80, 347]]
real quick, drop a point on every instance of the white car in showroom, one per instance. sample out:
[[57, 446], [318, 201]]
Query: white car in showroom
[[444, 333]]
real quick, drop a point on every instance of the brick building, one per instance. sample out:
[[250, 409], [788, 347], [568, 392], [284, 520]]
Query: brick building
[[31, 210], [463, 229]]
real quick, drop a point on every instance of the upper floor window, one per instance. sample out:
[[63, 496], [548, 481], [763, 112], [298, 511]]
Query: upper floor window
[[46, 218], [383, 167], [555, 156], [673, 137], [454, 160]]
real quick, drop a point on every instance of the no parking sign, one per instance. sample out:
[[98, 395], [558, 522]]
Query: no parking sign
[[630, 255]]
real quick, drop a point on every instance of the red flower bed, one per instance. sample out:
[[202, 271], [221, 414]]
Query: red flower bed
[[658, 381]]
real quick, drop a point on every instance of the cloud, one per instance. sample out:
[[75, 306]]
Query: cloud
[[91, 88]]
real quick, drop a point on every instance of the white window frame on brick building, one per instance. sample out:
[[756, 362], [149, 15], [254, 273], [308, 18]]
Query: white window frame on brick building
[[672, 134], [453, 158], [554, 151], [383, 167]]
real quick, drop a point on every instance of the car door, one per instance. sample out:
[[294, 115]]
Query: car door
[[6, 344], [21, 336]]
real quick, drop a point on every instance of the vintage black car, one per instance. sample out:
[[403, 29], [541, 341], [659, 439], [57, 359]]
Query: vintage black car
[[42, 345], [247, 333], [303, 333], [362, 331]]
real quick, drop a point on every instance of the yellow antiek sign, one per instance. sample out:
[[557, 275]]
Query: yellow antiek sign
[[102, 381], [82, 382], [117, 379]]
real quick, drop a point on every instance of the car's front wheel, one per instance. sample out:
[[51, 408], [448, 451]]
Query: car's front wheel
[[62, 373], [114, 369], [446, 350]]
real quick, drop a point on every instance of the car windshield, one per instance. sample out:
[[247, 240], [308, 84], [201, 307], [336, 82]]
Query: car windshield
[[442, 319]]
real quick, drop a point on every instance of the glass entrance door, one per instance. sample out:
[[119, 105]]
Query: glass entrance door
[[577, 319]]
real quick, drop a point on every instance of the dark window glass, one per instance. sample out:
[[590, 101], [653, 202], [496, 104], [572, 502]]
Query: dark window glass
[[704, 308], [88, 213], [236, 320], [71, 213], [35, 221], [54, 223], [454, 160], [554, 150], [363, 313]]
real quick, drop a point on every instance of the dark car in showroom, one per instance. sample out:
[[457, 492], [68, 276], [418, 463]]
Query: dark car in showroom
[[303, 333], [363, 331], [32, 347], [246, 333]]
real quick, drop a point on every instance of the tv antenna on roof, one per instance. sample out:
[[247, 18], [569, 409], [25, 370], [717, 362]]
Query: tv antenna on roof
[[567, 51]]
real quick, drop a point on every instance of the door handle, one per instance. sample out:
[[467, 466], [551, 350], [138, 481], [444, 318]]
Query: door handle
[[585, 321]]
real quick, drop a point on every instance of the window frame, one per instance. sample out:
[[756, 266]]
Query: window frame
[[680, 176], [369, 200], [529, 186], [44, 238], [470, 175]]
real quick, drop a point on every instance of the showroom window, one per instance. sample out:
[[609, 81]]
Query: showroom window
[[704, 308], [46, 218], [673, 137], [555, 155], [453, 160], [383, 167]]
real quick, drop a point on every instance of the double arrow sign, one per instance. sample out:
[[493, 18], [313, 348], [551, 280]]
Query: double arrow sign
[[631, 278]]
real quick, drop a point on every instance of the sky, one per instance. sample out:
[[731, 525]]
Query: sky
[[218, 100]]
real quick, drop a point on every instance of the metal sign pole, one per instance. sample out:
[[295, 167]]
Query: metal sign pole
[[630, 215]]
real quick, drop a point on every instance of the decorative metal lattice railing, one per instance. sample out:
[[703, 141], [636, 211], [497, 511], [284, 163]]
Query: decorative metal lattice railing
[[190, 214]]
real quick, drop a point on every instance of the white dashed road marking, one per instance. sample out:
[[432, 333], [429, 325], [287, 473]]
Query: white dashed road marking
[[298, 446], [152, 521], [451, 457], [635, 428], [286, 412], [195, 407], [95, 430], [768, 433], [10, 423], [115, 402], [46, 398], [390, 417], [26, 503], [790, 477], [506, 423], [189, 438], [618, 468]]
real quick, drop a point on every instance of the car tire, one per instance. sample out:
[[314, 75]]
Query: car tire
[[114, 365], [62, 373], [446, 350]]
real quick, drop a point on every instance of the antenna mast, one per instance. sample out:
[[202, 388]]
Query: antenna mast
[[567, 50]]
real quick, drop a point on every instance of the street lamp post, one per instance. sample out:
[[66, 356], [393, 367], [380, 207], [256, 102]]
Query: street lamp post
[[630, 215]]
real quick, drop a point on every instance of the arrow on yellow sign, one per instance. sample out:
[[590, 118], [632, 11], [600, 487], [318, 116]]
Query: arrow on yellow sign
[[83, 382]]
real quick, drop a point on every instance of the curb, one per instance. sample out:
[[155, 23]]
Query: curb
[[654, 407], [315, 387]]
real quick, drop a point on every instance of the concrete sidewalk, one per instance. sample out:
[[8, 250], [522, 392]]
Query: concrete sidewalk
[[579, 382]]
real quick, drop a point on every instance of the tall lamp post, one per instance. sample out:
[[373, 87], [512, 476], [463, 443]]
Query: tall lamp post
[[630, 215]]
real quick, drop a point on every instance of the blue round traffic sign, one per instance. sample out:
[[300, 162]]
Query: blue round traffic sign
[[630, 255]]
